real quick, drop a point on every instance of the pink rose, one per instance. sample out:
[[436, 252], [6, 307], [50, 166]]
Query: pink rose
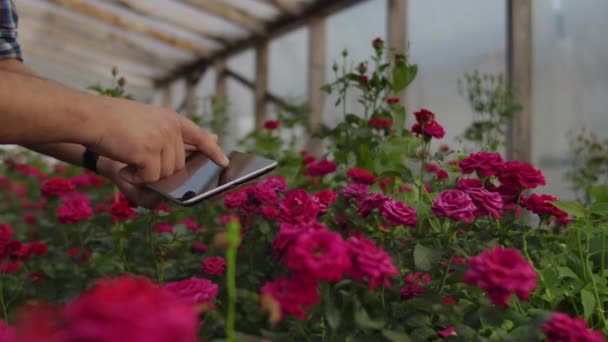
[[235, 200], [370, 263], [194, 290], [454, 204], [295, 296], [370, 202], [397, 213], [487, 203], [320, 168], [562, 328], [319, 255], [326, 198], [501, 272], [299, 207]]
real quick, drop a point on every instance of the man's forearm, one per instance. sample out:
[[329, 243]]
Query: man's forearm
[[69, 153], [37, 111]]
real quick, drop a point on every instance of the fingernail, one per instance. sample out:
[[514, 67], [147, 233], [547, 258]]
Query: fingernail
[[225, 161]]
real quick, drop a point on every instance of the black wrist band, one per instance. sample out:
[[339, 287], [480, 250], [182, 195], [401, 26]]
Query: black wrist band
[[89, 160]]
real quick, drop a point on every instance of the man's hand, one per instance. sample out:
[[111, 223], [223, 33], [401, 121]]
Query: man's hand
[[150, 140], [138, 194]]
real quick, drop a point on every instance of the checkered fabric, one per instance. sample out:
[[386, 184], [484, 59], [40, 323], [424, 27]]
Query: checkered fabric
[[9, 47]]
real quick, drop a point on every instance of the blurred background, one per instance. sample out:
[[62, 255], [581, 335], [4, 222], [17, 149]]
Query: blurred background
[[78, 42]]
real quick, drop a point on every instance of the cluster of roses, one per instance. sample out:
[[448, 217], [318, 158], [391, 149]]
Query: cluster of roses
[[310, 251], [126, 308], [13, 253], [482, 196]]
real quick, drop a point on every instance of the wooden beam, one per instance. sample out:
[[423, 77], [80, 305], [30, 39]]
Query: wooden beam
[[82, 39], [191, 98], [261, 83], [274, 29], [70, 21], [286, 6], [67, 61], [220, 79], [397, 30], [317, 47], [28, 40], [233, 14], [519, 68], [117, 20], [249, 84], [147, 9]]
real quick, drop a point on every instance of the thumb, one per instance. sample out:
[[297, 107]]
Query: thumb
[[130, 174]]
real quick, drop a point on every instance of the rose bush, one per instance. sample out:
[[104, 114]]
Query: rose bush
[[379, 239]]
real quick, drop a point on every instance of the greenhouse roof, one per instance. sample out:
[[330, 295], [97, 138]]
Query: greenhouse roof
[[156, 41]]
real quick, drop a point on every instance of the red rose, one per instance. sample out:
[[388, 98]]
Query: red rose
[[484, 163], [326, 198], [215, 265], [378, 43], [501, 272], [442, 174], [370, 202], [79, 254], [75, 208], [541, 206], [57, 187], [363, 79], [370, 262], [393, 100], [272, 124], [380, 123], [293, 295], [362, 176], [467, 183], [523, 175], [299, 207], [320, 168], [424, 116], [429, 130], [563, 328], [129, 308], [122, 210]]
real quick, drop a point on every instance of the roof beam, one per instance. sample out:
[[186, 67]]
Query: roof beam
[[230, 13], [318, 9], [67, 61], [105, 33], [120, 21], [290, 7], [81, 38], [142, 8]]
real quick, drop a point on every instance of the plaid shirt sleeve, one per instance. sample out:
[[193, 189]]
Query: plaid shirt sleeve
[[9, 47]]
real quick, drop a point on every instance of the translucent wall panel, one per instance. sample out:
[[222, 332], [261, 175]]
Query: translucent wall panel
[[352, 29], [570, 81], [447, 39], [289, 66]]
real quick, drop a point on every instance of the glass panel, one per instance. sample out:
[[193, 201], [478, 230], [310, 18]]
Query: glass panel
[[447, 39], [570, 82]]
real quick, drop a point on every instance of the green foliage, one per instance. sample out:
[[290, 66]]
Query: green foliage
[[494, 105], [588, 166]]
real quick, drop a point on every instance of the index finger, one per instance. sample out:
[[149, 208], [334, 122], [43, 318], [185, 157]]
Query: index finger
[[203, 141]]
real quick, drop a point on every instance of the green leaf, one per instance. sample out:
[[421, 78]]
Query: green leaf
[[332, 313], [417, 321], [403, 75], [395, 336], [599, 208], [588, 303], [363, 320], [326, 88], [573, 208], [566, 272], [399, 118], [424, 258], [600, 193]]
